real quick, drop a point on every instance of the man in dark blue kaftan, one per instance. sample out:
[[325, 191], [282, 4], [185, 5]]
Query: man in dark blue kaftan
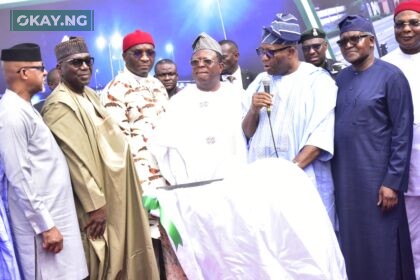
[[373, 137]]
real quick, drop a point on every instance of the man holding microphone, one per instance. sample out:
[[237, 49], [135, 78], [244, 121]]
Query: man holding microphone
[[301, 103]]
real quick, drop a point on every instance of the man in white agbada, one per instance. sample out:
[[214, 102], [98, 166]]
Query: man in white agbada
[[40, 197], [301, 99], [407, 58], [200, 134]]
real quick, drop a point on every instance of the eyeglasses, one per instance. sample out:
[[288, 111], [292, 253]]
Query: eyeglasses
[[139, 53], [162, 75], [411, 23], [206, 61], [315, 47], [353, 40], [270, 53], [40, 68], [78, 62]]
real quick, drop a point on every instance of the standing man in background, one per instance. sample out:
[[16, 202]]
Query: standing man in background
[[136, 100], [232, 72], [40, 197], [113, 223], [166, 72], [407, 58], [53, 79], [373, 136], [314, 47]]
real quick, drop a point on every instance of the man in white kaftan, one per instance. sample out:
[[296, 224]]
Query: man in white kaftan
[[40, 196], [302, 106], [407, 58], [200, 134]]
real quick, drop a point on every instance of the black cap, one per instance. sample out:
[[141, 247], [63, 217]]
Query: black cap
[[22, 52], [312, 33]]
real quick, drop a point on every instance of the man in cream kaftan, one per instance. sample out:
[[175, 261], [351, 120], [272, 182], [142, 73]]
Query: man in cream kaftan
[[113, 222], [103, 174]]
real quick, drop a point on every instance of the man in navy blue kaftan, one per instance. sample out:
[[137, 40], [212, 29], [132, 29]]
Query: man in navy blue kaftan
[[373, 138]]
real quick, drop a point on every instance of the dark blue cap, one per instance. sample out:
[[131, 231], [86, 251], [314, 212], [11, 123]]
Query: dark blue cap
[[355, 23]]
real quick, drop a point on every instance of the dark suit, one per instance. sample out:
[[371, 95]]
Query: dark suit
[[247, 78]]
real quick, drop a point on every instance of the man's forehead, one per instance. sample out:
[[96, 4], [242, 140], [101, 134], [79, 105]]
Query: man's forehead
[[271, 46], [227, 47], [77, 55], [313, 41], [205, 53], [142, 47], [351, 33], [165, 66], [407, 14]]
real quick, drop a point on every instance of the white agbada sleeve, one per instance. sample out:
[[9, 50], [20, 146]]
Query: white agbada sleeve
[[321, 124], [277, 228]]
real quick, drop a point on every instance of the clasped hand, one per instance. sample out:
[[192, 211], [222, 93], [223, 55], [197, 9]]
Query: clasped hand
[[96, 225], [388, 198], [52, 240]]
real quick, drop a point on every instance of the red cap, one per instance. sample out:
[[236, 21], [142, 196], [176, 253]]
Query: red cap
[[135, 38], [411, 5]]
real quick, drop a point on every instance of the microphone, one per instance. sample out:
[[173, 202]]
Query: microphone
[[266, 81]]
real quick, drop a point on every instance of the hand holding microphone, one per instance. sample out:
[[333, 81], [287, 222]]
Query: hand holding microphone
[[262, 99], [266, 81]]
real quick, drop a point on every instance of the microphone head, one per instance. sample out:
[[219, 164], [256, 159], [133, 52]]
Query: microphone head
[[266, 81]]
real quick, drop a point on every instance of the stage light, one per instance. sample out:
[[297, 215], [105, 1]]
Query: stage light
[[100, 42]]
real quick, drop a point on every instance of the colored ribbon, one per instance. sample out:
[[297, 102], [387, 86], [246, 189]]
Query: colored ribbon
[[152, 203]]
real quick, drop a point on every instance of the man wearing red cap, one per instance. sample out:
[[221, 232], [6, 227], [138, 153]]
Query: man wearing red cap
[[407, 58], [136, 100]]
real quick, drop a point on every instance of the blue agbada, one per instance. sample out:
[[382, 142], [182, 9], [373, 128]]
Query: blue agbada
[[8, 265], [373, 137]]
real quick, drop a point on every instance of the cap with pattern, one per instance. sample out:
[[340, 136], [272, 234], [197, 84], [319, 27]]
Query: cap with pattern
[[206, 42], [73, 45], [284, 29]]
